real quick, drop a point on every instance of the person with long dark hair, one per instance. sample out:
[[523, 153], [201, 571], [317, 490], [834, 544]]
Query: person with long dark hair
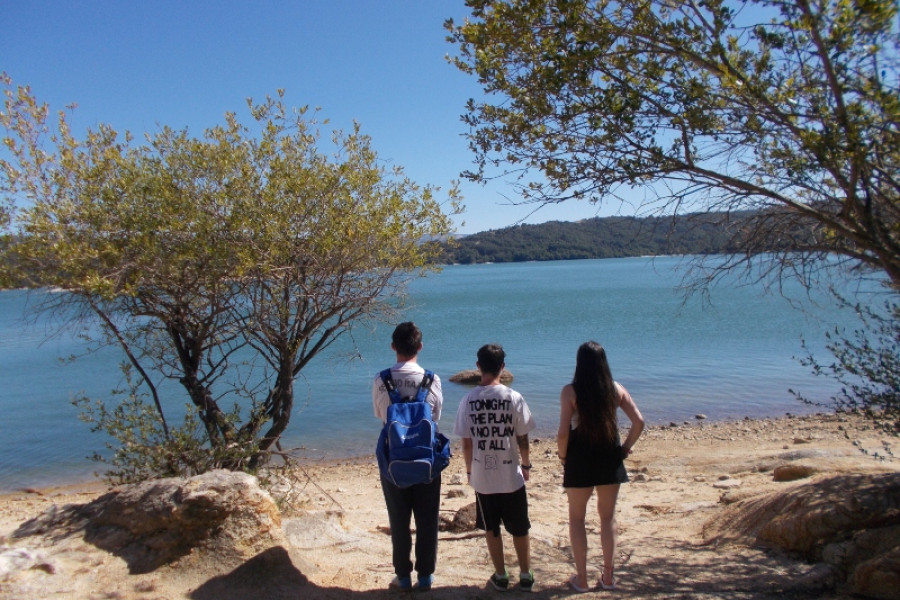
[[592, 455]]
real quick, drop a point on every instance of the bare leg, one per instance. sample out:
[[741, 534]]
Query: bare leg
[[523, 552], [578, 499], [495, 549], [606, 507]]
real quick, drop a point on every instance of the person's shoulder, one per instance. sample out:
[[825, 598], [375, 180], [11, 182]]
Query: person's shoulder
[[467, 403], [408, 368], [621, 391], [498, 390], [469, 395], [515, 394]]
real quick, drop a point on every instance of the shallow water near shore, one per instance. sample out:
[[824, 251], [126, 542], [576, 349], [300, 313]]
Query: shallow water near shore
[[728, 359]]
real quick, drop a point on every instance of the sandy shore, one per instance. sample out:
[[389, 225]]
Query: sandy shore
[[334, 516]]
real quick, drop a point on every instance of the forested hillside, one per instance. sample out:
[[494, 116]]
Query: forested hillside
[[601, 237]]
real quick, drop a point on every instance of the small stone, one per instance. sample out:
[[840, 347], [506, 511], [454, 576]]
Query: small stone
[[727, 484], [792, 472], [13, 560], [700, 417], [46, 567]]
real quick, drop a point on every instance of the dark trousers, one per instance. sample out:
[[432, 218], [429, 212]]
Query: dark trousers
[[422, 501]]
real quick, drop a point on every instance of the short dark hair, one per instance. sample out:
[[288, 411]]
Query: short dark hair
[[491, 358], [407, 339]]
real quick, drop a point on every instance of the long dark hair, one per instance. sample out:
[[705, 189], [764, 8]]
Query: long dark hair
[[596, 398]]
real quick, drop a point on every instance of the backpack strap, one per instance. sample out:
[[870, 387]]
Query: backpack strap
[[390, 387], [427, 380], [421, 393]]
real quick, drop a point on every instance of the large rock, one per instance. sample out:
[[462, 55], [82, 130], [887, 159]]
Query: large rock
[[851, 523], [832, 509], [473, 377], [221, 513], [463, 520], [877, 560]]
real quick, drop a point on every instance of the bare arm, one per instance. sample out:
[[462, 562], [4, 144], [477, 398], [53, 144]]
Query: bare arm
[[525, 453], [467, 456], [378, 402], [626, 403], [566, 410]]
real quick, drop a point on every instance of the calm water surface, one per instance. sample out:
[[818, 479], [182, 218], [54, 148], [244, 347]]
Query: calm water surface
[[728, 359]]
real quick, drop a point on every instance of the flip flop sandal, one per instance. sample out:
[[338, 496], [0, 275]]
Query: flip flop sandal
[[575, 586]]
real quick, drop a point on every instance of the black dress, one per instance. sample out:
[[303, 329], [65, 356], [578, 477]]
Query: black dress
[[589, 464]]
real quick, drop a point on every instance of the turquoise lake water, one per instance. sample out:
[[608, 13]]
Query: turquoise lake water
[[730, 358]]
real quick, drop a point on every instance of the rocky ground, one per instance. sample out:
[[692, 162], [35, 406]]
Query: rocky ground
[[677, 538]]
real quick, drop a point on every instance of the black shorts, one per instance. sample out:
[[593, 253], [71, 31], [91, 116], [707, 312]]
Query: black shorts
[[588, 465], [511, 509]]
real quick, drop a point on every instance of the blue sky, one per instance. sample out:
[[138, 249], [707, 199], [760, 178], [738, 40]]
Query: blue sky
[[139, 65]]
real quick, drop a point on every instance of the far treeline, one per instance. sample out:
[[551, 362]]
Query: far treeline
[[604, 237]]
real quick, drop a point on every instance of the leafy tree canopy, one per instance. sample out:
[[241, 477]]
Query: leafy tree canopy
[[785, 107], [224, 262]]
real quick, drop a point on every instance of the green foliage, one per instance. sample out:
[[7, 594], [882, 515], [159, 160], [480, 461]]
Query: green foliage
[[866, 364], [143, 450], [142, 447], [224, 262], [713, 106]]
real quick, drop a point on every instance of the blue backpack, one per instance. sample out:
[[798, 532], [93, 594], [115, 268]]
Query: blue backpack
[[410, 449]]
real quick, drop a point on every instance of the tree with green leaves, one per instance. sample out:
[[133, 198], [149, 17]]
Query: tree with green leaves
[[785, 107], [224, 263], [866, 365]]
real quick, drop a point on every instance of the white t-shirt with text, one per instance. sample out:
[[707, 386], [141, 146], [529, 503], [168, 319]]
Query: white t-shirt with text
[[493, 416]]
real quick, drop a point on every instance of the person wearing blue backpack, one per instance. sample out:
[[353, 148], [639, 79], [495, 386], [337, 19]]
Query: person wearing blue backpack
[[405, 386]]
